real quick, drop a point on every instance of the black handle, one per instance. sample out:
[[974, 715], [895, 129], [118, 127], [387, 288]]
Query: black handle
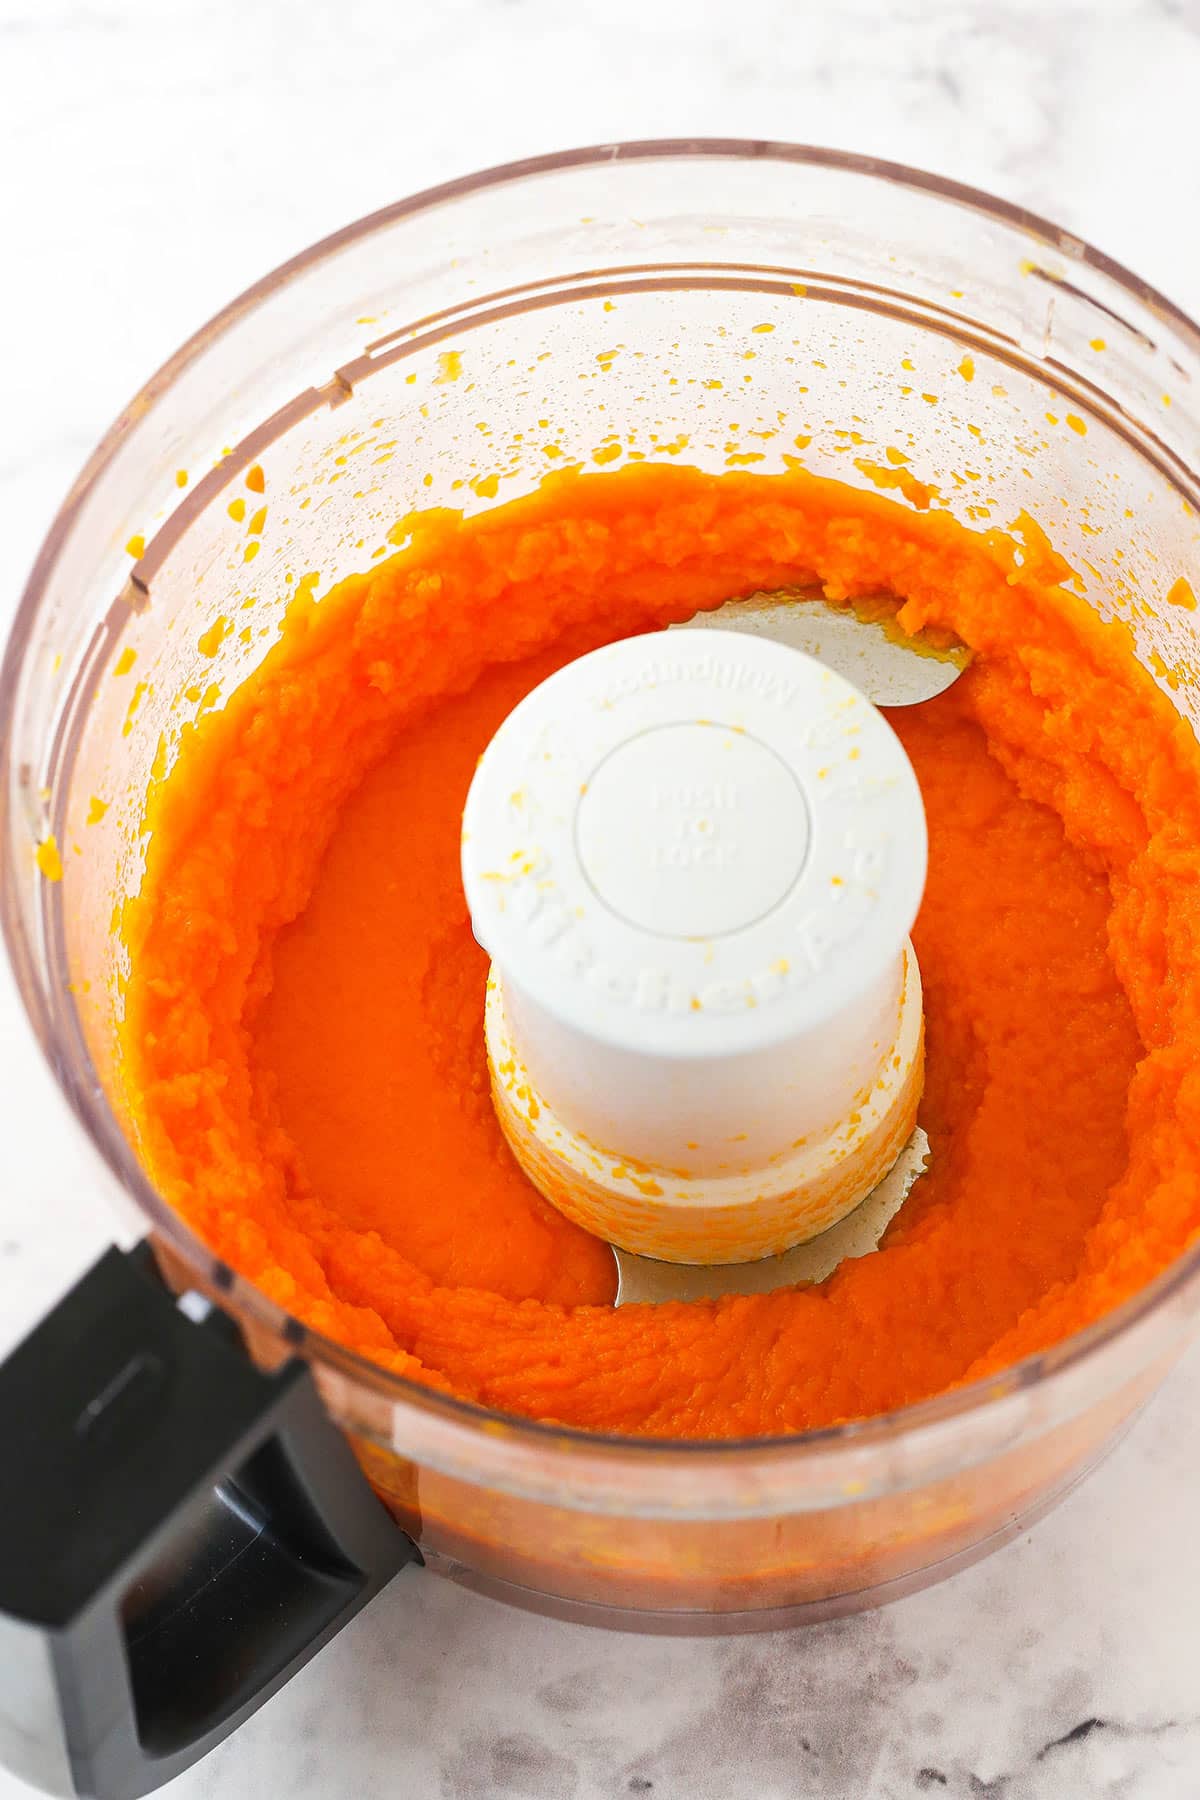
[[179, 1533]]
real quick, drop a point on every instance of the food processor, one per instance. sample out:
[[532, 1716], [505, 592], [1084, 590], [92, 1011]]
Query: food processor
[[207, 1487]]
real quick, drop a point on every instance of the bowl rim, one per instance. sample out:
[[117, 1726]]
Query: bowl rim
[[85, 1095]]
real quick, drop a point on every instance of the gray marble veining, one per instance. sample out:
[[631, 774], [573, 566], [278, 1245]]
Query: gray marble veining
[[157, 158]]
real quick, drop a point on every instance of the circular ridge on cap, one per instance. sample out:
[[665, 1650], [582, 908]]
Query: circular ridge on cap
[[674, 909]]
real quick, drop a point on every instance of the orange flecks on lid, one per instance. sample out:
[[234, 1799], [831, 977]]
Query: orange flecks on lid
[[449, 364], [966, 368], [1097, 344], [486, 486], [125, 661], [251, 550], [1181, 593], [237, 509], [1077, 425], [254, 528], [96, 810], [256, 481], [766, 326], [181, 478], [136, 547]]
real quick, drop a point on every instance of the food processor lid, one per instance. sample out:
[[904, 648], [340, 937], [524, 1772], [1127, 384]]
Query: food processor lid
[[693, 845]]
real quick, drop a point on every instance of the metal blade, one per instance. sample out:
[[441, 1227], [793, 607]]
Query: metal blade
[[859, 640], [641, 1280]]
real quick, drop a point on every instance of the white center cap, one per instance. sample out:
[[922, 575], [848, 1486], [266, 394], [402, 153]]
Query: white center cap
[[692, 830], [692, 844]]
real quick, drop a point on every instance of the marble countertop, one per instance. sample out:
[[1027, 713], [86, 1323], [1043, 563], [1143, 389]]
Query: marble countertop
[[157, 158]]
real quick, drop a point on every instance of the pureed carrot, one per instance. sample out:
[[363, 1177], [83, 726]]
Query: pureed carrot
[[302, 1042]]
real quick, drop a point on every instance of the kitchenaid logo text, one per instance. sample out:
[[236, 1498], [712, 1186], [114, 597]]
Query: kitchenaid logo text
[[722, 674]]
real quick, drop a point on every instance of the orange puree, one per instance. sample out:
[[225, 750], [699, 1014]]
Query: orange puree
[[302, 1044]]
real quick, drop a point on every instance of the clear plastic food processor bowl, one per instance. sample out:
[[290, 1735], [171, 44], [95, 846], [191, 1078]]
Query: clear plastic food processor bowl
[[448, 351]]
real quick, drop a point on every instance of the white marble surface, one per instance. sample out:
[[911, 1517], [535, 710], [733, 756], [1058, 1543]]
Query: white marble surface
[[157, 155]]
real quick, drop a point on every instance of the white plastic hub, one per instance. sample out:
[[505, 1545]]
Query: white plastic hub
[[694, 860]]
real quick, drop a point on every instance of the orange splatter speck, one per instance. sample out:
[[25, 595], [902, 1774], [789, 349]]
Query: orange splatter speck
[[181, 478], [449, 365], [966, 368], [214, 637], [237, 510], [256, 481], [1164, 671], [251, 551], [48, 859], [764, 327], [1181, 593], [96, 810], [125, 661], [136, 546], [918, 493], [1098, 344], [257, 522], [135, 700], [1077, 424]]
